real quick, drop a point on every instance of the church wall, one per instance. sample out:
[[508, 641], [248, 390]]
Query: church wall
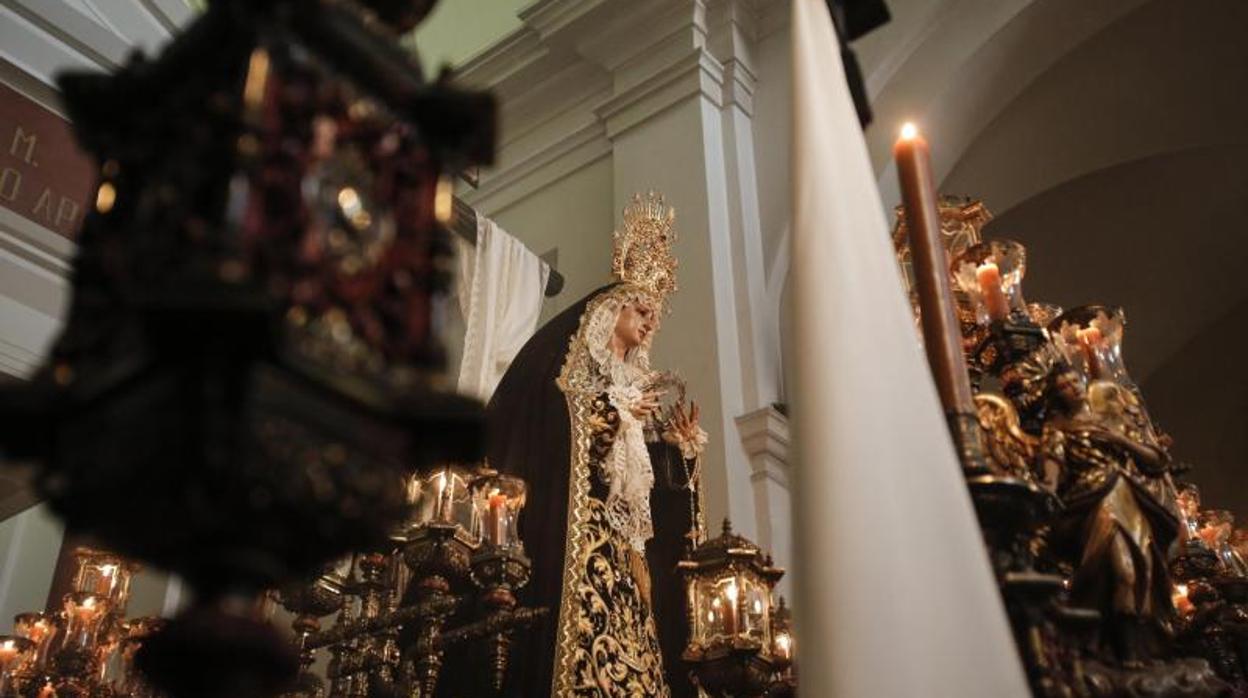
[[29, 544], [572, 217]]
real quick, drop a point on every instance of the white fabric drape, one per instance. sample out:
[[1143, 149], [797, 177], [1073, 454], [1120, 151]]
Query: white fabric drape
[[501, 286], [895, 594]]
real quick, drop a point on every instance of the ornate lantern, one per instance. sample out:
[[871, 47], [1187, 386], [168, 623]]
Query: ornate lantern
[[729, 584], [105, 574]]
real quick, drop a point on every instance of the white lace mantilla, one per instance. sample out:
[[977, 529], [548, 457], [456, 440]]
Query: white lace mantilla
[[626, 470]]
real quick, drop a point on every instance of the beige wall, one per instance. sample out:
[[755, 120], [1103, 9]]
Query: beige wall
[[29, 544], [574, 216]]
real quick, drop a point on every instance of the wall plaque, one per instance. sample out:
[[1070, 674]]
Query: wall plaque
[[43, 176]]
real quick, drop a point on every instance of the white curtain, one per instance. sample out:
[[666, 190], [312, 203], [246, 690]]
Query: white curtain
[[501, 286], [895, 594]]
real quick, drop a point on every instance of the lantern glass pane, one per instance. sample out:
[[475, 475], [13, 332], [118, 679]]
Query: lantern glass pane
[[443, 496]]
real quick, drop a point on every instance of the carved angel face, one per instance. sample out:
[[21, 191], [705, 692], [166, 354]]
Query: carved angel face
[[1070, 388]]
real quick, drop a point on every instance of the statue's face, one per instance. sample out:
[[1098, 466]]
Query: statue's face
[[1070, 387], [634, 325]]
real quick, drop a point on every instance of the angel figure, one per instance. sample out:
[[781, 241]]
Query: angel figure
[[1117, 524]]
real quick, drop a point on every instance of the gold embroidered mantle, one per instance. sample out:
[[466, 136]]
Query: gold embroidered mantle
[[606, 642]]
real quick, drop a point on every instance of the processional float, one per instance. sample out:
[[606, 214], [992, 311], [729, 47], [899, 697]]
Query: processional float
[[1115, 582]]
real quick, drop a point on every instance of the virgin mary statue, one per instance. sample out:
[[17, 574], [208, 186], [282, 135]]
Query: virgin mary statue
[[613, 486]]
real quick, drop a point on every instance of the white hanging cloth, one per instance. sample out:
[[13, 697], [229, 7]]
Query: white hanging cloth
[[890, 561], [500, 287]]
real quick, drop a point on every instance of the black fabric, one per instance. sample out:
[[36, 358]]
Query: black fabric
[[857, 17], [530, 436], [852, 19]]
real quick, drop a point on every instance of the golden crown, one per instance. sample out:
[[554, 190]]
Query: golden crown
[[642, 253]]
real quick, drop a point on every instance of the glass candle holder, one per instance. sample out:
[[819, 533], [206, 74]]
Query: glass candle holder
[[443, 496], [16, 653], [1043, 313], [1239, 541], [105, 575], [84, 615], [1215, 530], [782, 644], [500, 499], [990, 274], [40, 629], [129, 681], [1188, 501], [1090, 337], [732, 606]]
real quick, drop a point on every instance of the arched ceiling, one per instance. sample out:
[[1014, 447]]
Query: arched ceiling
[[1165, 78]]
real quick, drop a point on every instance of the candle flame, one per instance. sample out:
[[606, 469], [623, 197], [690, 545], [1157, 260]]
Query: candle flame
[[909, 131], [444, 200], [105, 197], [8, 645], [731, 591]]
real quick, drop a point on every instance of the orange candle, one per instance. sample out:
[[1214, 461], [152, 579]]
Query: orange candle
[[989, 276], [942, 335], [730, 617], [495, 518]]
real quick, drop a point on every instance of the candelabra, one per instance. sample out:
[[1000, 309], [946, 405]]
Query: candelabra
[[740, 642], [87, 648], [1068, 437], [447, 579], [1211, 588]]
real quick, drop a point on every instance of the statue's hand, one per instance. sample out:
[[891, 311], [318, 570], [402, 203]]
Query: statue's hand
[[683, 431], [647, 406]]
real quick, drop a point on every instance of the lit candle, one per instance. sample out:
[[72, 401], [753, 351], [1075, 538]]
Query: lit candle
[[495, 518], [989, 277], [9, 652], [942, 334], [730, 618], [13, 653], [1182, 604], [784, 647], [441, 508], [87, 610]]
